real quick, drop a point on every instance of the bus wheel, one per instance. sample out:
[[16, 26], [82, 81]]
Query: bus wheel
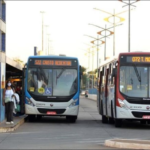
[[71, 119], [111, 119], [104, 118], [143, 121], [31, 118], [39, 117], [148, 122], [118, 122]]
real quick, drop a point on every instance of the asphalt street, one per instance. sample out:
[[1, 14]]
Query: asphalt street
[[56, 133]]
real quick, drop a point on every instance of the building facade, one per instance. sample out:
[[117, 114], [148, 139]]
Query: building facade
[[2, 55]]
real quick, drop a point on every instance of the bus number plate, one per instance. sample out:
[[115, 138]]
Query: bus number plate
[[51, 113], [146, 117]]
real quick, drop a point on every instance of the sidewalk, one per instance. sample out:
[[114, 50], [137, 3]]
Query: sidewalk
[[92, 97], [12, 127], [128, 143]]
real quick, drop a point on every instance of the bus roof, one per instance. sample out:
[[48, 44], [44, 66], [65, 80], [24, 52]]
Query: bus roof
[[135, 53], [123, 53], [108, 61], [53, 56]]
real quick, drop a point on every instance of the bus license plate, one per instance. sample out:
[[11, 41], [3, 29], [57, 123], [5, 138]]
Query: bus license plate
[[146, 117], [51, 113]]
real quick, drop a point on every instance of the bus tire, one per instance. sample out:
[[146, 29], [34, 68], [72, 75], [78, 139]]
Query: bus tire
[[31, 118], [71, 119], [143, 122], [104, 118], [111, 119], [118, 122], [39, 117]]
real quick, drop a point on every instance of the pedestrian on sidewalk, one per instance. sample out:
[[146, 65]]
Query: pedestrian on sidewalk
[[8, 94], [16, 101]]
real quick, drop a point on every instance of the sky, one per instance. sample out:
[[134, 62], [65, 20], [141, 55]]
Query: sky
[[66, 24]]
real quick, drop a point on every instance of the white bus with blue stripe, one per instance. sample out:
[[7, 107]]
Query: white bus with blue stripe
[[52, 87]]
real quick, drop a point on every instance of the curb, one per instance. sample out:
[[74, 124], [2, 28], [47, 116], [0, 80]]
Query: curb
[[12, 128], [128, 143]]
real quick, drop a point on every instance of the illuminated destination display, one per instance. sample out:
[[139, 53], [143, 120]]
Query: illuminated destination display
[[53, 62], [139, 59], [135, 59]]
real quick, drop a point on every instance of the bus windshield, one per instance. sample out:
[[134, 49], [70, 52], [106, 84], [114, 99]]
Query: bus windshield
[[52, 82], [134, 81]]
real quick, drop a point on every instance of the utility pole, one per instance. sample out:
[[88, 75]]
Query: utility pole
[[129, 4], [42, 12]]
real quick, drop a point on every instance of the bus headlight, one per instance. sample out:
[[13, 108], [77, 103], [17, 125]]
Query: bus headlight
[[29, 101], [73, 103], [122, 104]]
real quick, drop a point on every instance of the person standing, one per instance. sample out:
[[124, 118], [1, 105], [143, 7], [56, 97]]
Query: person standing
[[16, 101], [8, 103]]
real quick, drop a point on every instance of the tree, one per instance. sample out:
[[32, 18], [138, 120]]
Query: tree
[[83, 69]]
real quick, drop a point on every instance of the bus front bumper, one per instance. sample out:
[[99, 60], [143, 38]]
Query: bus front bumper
[[68, 111]]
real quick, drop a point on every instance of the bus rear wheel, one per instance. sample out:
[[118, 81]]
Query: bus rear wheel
[[111, 119], [71, 119], [118, 122]]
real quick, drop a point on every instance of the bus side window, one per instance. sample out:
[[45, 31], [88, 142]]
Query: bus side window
[[109, 75], [114, 74], [104, 77], [100, 82]]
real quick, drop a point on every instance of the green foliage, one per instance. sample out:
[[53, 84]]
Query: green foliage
[[83, 69]]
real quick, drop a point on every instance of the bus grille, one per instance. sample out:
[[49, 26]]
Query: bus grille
[[140, 114], [58, 111]]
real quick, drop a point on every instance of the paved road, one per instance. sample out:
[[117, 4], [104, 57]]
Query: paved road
[[55, 133]]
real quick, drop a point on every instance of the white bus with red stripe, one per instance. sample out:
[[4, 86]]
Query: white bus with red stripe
[[124, 88]]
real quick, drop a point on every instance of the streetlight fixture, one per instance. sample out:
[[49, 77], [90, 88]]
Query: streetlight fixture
[[114, 15], [129, 4], [104, 36]]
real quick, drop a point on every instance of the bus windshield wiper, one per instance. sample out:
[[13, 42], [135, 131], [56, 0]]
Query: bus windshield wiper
[[137, 73], [60, 73], [57, 76]]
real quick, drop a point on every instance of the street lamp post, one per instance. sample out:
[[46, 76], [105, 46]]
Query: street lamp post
[[46, 39], [48, 43], [129, 4], [42, 12], [88, 52]]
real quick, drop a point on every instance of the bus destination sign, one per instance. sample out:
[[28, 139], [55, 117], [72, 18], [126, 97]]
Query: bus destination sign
[[134, 59], [52, 62], [138, 59]]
